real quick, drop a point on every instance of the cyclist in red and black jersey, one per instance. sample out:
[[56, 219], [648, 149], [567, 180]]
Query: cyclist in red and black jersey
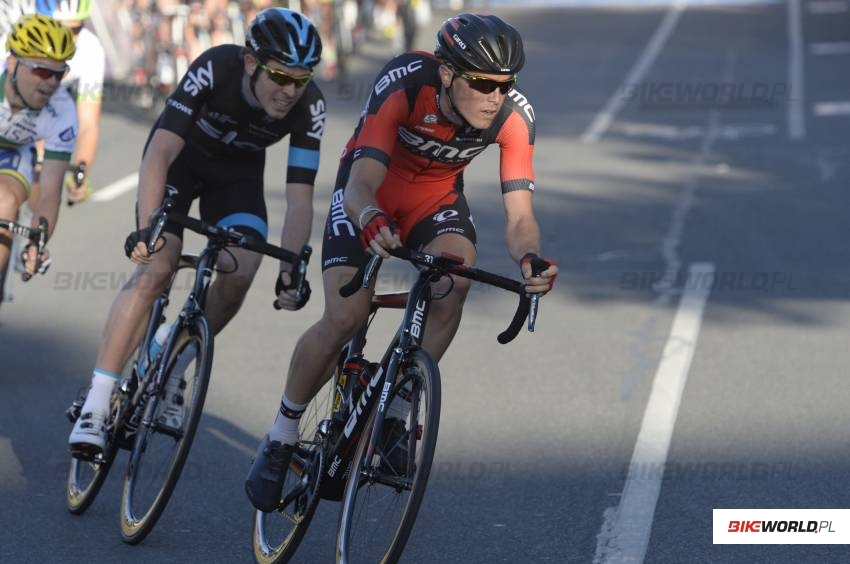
[[400, 182], [209, 143]]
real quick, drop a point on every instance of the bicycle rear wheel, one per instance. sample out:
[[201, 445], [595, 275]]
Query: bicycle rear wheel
[[277, 534], [382, 500], [160, 450]]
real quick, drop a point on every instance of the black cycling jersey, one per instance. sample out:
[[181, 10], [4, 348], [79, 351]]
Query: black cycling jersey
[[209, 110]]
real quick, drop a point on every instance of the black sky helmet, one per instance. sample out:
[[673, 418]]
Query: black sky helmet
[[285, 36], [480, 44]]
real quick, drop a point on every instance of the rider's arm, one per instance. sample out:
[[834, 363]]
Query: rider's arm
[[162, 150], [299, 217], [364, 180], [302, 165], [521, 230], [47, 206], [89, 96], [516, 143], [88, 114]]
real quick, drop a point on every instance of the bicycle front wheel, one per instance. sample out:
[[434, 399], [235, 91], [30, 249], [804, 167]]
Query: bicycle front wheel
[[164, 438], [277, 534], [86, 477], [384, 491]]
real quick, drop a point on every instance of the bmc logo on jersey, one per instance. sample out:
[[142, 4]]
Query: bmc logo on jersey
[[395, 74], [522, 103], [199, 79], [436, 149]]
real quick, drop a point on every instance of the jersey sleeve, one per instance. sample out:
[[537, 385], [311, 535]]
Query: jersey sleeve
[[60, 132], [305, 139], [516, 142], [196, 86], [93, 67]]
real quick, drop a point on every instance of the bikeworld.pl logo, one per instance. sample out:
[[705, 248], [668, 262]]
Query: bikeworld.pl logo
[[780, 527], [706, 92]]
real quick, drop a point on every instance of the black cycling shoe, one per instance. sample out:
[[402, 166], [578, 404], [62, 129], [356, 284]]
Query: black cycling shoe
[[394, 446], [268, 470]]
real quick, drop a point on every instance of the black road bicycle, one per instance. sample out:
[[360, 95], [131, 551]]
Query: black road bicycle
[[351, 451], [159, 447]]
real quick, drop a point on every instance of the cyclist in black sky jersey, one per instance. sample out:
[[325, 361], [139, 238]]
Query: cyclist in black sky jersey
[[209, 143]]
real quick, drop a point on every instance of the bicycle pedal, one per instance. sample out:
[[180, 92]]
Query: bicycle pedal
[[73, 412], [86, 453]]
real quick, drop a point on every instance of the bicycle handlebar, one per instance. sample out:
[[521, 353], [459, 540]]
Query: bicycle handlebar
[[449, 264], [228, 237], [37, 236]]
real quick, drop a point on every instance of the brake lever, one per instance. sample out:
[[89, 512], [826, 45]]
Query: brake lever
[[538, 265], [306, 252], [161, 215]]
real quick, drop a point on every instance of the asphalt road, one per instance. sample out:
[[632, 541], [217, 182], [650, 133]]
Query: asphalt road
[[537, 450]]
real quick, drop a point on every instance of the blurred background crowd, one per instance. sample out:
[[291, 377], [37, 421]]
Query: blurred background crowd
[[151, 42]]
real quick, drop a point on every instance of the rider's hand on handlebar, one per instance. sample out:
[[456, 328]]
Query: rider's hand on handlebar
[[538, 284], [77, 193], [285, 291], [34, 263], [380, 234], [136, 246]]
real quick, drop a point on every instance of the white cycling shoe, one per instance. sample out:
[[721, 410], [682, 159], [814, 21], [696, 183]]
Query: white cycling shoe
[[89, 434]]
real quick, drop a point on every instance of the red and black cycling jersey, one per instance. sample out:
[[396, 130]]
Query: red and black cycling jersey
[[209, 110], [402, 126]]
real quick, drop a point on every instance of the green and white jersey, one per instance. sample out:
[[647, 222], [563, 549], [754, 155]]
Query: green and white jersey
[[56, 123]]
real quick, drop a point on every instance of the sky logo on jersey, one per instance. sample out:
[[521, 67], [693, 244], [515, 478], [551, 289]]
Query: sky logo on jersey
[[68, 135], [317, 116], [395, 74], [432, 148], [200, 78]]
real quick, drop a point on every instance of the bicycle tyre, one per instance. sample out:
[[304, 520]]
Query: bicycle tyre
[[427, 383], [79, 492], [267, 551], [135, 528]]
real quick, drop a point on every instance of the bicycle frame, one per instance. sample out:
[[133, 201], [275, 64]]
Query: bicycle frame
[[150, 383], [377, 392]]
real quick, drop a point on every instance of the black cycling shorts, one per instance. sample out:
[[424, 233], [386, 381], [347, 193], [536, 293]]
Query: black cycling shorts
[[341, 243], [230, 191]]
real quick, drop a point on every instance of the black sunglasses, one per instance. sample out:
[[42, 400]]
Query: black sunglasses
[[283, 79], [486, 85], [45, 73]]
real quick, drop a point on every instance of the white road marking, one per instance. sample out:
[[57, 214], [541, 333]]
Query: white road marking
[[117, 188], [795, 109], [676, 133], [605, 118], [833, 48], [626, 536], [11, 472], [826, 109], [823, 7]]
